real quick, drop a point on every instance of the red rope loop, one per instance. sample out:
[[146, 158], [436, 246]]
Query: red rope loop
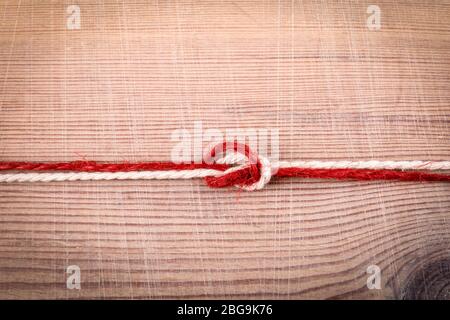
[[245, 177]]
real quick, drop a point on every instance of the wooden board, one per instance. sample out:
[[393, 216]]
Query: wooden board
[[135, 71]]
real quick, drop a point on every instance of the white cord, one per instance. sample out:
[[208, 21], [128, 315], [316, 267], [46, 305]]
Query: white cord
[[344, 164], [371, 164], [130, 175]]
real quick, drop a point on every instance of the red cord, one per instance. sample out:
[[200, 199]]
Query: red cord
[[92, 166], [361, 174]]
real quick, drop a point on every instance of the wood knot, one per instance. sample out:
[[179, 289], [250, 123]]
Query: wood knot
[[429, 282]]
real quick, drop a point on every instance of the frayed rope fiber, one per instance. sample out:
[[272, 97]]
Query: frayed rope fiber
[[92, 166], [253, 174]]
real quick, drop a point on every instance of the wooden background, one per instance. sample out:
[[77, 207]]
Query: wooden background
[[137, 70]]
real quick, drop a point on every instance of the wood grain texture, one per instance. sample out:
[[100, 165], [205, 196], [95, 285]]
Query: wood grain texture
[[137, 70]]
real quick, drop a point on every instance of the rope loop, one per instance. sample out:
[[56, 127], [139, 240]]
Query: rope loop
[[253, 174]]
